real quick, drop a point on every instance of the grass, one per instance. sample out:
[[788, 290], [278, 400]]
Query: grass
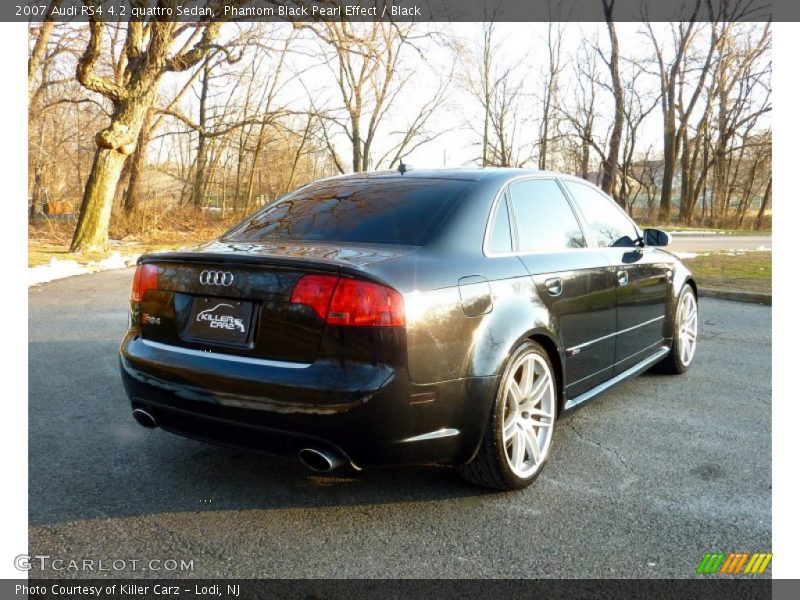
[[749, 271], [143, 232]]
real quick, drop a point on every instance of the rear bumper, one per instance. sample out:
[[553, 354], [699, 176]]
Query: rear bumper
[[372, 414]]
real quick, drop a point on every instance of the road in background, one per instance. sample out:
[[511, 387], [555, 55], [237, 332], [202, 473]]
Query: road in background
[[640, 483], [719, 243]]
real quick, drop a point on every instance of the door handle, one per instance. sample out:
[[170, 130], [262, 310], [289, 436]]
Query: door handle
[[622, 277], [554, 286]]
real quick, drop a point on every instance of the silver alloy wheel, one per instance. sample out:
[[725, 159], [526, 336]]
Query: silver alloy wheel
[[528, 415], [687, 334]]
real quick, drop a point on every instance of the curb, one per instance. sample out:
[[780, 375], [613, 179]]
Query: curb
[[736, 295]]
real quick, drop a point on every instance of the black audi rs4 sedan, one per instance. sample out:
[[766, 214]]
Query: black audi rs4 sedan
[[439, 316]]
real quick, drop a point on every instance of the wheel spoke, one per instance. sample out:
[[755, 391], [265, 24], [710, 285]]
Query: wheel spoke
[[541, 424], [531, 444], [517, 450], [514, 395], [509, 426], [540, 387], [527, 377]]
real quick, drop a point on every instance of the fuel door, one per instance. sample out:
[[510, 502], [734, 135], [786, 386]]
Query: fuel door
[[476, 295]]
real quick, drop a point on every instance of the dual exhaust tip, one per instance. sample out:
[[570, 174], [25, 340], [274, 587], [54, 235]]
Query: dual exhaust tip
[[144, 418], [319, 460]]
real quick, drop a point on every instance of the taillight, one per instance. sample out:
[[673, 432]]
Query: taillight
[[315, 291], [145, 278], [350, 302]]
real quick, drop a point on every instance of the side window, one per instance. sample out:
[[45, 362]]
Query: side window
[[500, 236], [545, 220], [608, 223]]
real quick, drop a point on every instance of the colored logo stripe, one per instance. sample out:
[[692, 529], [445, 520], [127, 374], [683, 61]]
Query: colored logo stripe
[[711, 562], [758, 563], [720, 562], [735, 562]]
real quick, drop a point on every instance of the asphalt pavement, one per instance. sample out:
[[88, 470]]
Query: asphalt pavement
[[640, 483]]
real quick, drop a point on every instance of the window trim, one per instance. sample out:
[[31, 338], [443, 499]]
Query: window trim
[[505, 192], [577, 180], [512, 228]]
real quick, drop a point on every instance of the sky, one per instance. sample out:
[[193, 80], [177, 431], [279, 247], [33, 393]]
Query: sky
[[521, 44]]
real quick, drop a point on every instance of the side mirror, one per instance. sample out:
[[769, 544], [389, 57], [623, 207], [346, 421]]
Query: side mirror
[[656, 237]]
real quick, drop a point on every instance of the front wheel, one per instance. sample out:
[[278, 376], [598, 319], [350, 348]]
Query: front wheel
[[684, 333], [520, 431]]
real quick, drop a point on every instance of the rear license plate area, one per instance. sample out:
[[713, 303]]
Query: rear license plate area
[[220, 321]]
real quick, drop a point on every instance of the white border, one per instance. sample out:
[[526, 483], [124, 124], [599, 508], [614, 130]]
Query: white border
[[786, 220], [786, 405], [14, 360]]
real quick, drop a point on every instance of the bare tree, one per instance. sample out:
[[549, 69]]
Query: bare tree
[[499, 91], [148, 56], [638, 107], [611, 160], [367, 62], [677, 114], [742, 92], [550, 97]]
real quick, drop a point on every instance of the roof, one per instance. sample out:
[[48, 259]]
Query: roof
[[467, 173]]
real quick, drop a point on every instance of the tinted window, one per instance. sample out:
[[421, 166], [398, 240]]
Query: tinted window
[[500, 238], [383, 211], [545, 220], [609, 225]]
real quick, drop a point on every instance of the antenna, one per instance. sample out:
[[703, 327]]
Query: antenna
[[402, 167]]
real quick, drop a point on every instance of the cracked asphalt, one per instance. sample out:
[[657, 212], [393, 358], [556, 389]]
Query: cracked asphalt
[[640, 483]]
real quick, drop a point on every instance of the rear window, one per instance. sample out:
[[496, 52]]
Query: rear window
[[405, 212]]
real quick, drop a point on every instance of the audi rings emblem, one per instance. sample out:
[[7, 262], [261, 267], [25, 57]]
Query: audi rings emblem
[[223, 278]]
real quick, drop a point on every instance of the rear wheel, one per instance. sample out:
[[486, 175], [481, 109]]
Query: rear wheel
[[684, 334], [520, 431]]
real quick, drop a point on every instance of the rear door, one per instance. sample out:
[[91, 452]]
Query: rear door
[[575, 281], [642, 276]]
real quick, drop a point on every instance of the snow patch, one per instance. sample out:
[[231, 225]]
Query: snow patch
[[58, 269]]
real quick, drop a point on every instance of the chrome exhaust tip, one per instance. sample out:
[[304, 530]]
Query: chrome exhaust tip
[[144, 418], [320, 460]]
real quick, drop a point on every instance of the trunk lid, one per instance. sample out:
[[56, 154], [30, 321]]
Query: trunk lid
[[235, 297]]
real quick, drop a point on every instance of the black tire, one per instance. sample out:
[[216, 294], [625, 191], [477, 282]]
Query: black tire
[[490, 467], [673, 364]]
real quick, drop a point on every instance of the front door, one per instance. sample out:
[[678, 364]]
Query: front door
[[642, 276]]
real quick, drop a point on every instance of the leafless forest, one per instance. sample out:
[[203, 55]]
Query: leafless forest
[[136, 123]]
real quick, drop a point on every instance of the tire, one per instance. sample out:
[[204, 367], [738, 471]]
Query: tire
[[523, 414], [684, 334]]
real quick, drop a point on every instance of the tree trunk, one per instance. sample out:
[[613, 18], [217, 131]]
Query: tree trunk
[[609, 183], [665, 205], [198, 192], [114, 145], [137, 163], [91, 233], [764, 201]]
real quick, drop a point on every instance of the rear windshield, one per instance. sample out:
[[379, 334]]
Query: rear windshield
[[406, 212]]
